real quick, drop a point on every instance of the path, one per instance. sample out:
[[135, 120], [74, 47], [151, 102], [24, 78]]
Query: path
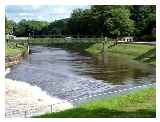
[[149, 43]]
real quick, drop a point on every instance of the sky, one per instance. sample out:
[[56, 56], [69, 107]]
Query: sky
[[40, 12]]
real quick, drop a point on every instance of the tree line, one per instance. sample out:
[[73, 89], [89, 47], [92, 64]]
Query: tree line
[[99, 20]]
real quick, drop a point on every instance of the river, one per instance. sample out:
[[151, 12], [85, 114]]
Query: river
[[70, 74]]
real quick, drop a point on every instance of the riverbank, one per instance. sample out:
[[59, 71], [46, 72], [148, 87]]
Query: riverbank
[[12, 49], [139, 104], [140, 52], [145, 53], [14, 53]]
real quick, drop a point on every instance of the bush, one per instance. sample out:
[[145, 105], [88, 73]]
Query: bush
[[148, 38]]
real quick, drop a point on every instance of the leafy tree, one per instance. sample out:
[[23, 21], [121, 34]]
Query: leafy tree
[[144, 17], [119, 23], [57, 27], [9, 26], [30, 28], [109, 20]]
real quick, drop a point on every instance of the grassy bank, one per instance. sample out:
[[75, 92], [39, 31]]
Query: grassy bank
[[140, 52], [141, 103], [12, 49]]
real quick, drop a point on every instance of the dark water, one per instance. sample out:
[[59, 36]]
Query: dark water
[[68, 74]]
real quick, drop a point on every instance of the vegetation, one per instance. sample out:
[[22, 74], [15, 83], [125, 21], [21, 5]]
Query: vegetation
[[12, 49], [141, 103], [107, 20], [28, 28], [132, 51], [9, 24]]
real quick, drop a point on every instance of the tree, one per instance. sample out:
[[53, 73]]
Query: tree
[[9, 26], [108, 20], [30, 27], [119, 23], [144, 17], [57, 27]]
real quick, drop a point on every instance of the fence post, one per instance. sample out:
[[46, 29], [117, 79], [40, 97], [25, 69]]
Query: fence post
[[51, 108], [25, 114]]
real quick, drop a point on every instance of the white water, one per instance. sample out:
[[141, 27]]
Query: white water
[[21, 96]]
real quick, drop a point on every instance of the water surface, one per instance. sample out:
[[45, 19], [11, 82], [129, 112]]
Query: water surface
[[69, 75]]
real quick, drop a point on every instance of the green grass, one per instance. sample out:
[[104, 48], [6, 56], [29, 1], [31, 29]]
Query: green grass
[[140, 104], [12, 49], [131, 51]]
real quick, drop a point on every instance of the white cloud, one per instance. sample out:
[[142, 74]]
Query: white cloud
[[40, 12], [25, 14], [35, 7], [40, 17]]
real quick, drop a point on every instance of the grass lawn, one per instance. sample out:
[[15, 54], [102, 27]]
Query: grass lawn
[[132, 51], [141, 104], [12, 50]]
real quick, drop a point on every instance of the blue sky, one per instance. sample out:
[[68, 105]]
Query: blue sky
[[40, 12]]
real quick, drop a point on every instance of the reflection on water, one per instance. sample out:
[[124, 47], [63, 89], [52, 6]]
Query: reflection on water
[[114, 69], [69, 74]]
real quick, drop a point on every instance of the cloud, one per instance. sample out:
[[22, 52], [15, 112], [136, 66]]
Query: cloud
[[25, 14], [39, 12], [35, 7]]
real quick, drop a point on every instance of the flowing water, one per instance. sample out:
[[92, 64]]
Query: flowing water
[[70, 75]]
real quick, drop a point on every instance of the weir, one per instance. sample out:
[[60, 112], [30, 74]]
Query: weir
[[75, 76], [78, 77]]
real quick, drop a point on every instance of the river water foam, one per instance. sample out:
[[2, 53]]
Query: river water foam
[[21, 97]]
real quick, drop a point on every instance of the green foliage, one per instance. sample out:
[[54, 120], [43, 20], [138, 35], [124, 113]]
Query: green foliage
[[107, 20], [9, 25], [57, 27], [149, 37], [131, 51], [12, 49], [144, 17], [119, 24], [30, 28]]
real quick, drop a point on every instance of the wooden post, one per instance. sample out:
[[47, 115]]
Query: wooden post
[[51, 108], [103, 46], [25, 114]]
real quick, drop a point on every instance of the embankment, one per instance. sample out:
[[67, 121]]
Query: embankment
[[15, 54], [140, 52], [147, 53]]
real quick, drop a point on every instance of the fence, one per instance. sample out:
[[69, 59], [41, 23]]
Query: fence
[[69, 35], [34, 111]]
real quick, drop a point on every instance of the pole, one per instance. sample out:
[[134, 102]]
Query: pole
[[51, 108], [25, 114]]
